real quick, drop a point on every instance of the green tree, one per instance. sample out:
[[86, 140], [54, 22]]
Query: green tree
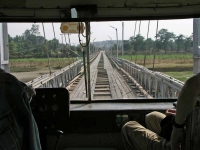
[[26, 34], [127, 45], [139, 39], [9, 38], [35, 30], [179, 40], [171, 45], [164, 36], [137, 42], [53, 44], [188, 43], [27, 45], [132, 41], [158, 45], [12, 46], [149, 43]]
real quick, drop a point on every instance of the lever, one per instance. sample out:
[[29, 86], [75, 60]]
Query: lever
[[59, 134]]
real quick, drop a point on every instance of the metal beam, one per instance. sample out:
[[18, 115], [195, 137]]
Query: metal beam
[[88, 58], [156, 84], [4, 50], [196, 45], [85, 74], [122, 40]]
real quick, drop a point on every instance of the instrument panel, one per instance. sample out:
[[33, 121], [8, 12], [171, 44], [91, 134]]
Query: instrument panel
[[51, 103]]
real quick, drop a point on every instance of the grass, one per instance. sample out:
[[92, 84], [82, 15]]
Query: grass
[[159, 58], [33, 64], [37, 59], [24, 69], [179, 66], [169, 67], [182, 76]]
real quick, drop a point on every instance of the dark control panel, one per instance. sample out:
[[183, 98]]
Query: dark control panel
[[51, 103]]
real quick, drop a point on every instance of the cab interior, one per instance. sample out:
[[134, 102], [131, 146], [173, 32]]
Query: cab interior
[[94, 125]]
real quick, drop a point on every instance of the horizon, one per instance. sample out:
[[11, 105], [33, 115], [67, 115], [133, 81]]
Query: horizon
[[101, 30]]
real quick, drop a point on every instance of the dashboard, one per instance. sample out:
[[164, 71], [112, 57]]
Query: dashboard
[[87, 124], [53, 111]]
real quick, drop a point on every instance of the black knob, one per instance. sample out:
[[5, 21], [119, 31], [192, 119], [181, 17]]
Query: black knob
[[59, 133]]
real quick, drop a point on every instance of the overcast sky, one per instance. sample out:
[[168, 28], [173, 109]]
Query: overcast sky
[[101, 30]]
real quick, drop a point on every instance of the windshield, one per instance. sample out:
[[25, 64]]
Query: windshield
[[128, 60]]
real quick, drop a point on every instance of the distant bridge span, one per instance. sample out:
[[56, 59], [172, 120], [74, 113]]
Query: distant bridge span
[[111, 78]]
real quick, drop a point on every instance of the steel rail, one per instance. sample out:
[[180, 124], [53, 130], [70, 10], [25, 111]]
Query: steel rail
[[157, 84], [60, 78]]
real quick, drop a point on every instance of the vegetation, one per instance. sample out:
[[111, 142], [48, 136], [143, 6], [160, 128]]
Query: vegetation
[[32, 45], [166, 42], [34, 64], [160, 57], [29, 52], [179, 66], [182, 76]]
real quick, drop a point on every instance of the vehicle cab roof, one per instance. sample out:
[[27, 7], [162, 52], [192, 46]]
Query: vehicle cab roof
[[97, 10]]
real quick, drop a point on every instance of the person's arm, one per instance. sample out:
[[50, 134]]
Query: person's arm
[[187, 98], [171, 111], [29, 90], [186, 102]]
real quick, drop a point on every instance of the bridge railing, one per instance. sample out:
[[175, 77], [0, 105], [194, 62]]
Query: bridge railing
[[157, 84], [60, 78]]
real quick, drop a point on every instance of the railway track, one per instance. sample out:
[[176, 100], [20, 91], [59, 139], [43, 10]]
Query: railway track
[[108, 81], [136, 88], [102, 87], [74, 83]]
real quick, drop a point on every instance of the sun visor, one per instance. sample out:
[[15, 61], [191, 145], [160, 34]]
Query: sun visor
[[12, 3]]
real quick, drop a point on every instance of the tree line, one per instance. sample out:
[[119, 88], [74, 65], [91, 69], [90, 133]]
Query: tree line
[[166, 42], [31, 44]]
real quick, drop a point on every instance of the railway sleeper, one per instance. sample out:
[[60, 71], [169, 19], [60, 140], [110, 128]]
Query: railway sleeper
[[102, 94], [102, 87]]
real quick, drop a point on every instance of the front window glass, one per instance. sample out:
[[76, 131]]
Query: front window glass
[[128, 60]]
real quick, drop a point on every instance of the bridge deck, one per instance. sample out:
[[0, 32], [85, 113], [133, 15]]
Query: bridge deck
[[117, 86]]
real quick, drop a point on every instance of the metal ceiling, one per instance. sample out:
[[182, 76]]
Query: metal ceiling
[[97, 10]]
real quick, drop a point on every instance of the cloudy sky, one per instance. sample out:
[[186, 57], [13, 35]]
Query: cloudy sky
[[101, 30]]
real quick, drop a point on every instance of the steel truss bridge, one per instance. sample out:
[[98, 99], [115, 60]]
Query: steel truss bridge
[[111, 78]]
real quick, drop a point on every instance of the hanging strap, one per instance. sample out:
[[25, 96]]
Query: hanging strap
[[57, 45], [146, 43], [137, 43], [46, 49], [154, 56], [134, 37]]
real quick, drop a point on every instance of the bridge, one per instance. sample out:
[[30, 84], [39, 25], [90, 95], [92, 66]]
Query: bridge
[[107, 76], [110, 78]]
